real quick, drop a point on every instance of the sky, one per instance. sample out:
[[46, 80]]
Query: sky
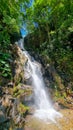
[[23, 32]]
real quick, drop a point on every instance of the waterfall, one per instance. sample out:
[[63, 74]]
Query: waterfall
[[43, 107]]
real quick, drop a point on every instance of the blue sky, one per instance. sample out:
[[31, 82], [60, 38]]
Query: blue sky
[[23, 32]]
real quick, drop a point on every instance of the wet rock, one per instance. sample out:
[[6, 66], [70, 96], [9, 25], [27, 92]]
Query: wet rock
[[57, 106], [24, 87], [19, 63], [27, 75], [2, 117], [28, 71]]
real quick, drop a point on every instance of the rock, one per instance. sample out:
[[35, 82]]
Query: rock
[[20, 129], [7, 91], [2, 108], [6, 100], [19, 62], [2, 117], [27, 75], [17, 119], [37, 64], [22, 90], [23, 86], [10, 84], [56, 106]]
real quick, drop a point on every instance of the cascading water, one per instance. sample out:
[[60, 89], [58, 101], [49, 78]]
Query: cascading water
[[44, 109]]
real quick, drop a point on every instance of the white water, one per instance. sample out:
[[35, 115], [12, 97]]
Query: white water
[[43, 106]]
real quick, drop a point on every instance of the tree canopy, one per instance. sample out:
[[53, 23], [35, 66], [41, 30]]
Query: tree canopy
[[53, 19], [11, 20]]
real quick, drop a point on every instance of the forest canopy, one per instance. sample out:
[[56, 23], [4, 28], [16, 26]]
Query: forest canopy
[[51, 23]]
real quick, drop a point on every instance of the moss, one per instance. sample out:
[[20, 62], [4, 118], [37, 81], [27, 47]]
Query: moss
[[22, 108], [17, 91], [58, 81]]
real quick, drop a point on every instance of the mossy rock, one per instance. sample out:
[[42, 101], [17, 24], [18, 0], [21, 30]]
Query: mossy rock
[[22, 108], [18, 90]]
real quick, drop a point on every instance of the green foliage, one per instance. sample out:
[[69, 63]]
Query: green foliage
[[22, 108], [64, 63], [4, 65], [55, 20], [11, 19]]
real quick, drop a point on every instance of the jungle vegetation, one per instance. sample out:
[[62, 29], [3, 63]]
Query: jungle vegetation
[[50, 25]]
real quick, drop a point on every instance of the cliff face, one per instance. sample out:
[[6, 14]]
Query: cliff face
[[12, 95], [19, 62]]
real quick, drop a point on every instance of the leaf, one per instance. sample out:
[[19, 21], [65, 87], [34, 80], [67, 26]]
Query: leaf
[[4, 74], [3, 62]]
